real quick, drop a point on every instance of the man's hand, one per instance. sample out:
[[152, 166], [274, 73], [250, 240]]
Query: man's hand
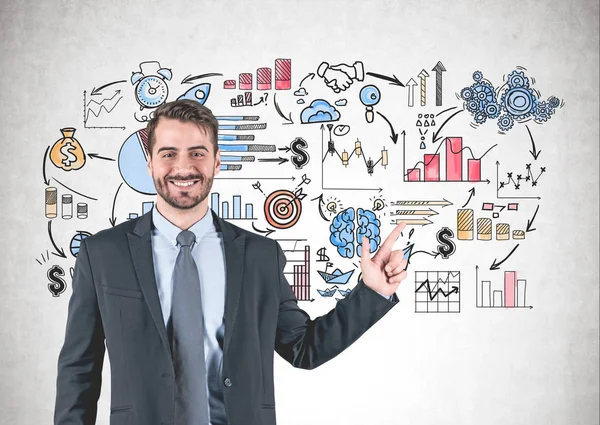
[[340, 77], [346, 69], [337, 79], [384, 272]]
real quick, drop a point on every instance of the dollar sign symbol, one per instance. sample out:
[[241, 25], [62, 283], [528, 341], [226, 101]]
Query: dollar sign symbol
[[322, 255], [59, 285], [447, 247], [300, 158], [69, 156]]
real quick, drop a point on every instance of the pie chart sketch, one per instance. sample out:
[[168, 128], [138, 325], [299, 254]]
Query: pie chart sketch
[[133, 161]]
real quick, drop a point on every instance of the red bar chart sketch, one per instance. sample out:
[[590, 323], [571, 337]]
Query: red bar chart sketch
[[437, 292], [264, 77], [283, 74], [512, 293], [454, 169], [297, 267]]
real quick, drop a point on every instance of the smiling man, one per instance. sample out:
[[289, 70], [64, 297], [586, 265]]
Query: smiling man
[[192, 308], [184, 158]]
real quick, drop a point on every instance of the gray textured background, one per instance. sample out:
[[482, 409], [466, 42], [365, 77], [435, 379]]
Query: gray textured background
[[539, 367]]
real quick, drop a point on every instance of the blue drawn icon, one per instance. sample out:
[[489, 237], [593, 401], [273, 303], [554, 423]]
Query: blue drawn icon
[[199, 93], [370, 96], [319, 111], [514, 102], [133, 163], [342, 230]]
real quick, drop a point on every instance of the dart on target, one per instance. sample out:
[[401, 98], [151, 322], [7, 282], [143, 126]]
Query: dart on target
[[283, 208]]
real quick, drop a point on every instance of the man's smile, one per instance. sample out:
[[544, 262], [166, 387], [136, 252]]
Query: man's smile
[[183, 183]]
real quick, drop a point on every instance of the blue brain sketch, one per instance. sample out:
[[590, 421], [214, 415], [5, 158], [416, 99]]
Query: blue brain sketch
[[515, 101], [369, 226], [319, 111], [343, 227]]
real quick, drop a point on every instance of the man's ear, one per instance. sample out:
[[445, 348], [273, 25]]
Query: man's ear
[[217, 161], [149, 166]]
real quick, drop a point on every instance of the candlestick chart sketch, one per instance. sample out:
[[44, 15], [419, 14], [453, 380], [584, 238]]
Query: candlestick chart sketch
[[318, 155]]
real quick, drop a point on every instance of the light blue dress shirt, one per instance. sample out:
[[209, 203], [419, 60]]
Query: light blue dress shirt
[[209, 254]]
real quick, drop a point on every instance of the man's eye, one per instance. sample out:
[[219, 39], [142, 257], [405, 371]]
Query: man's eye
[[198, 154]]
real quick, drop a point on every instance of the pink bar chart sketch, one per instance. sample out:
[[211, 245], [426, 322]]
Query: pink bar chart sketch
[[453, 169], [512, 293], [263, 78], [283, 74], [298, 266]]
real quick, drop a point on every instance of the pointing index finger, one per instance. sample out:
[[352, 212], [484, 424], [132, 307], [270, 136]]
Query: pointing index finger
[[393, 236]]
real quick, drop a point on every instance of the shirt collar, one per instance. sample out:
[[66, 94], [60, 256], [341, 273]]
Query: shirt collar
[[170, 231]]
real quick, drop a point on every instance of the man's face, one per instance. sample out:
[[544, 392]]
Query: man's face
[[183, 163]]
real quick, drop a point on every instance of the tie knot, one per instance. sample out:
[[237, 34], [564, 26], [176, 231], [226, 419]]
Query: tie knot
[[186, 238]]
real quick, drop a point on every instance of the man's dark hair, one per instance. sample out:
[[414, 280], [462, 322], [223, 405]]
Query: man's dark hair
[[185, 110]]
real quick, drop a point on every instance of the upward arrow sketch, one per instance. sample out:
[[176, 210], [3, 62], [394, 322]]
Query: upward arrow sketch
[[411, 84], [423, 75], [438, 69]]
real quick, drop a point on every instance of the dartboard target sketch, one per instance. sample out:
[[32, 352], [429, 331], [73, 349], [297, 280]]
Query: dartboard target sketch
[[283, 208]]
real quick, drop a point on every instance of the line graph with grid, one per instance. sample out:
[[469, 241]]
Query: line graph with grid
[[437, 292]]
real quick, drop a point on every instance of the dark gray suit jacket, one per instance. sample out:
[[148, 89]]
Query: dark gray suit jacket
[[115, 299]]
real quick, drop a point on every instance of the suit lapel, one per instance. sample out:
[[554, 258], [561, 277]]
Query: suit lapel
[[140, 245], [234, 244]]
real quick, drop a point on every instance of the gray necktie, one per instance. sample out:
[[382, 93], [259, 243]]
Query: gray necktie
[[191, 399]]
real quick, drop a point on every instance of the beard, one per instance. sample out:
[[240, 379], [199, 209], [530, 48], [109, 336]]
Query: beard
[[184, 199]]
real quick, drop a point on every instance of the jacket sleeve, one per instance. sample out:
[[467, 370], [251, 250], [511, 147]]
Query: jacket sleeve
[[307, 343], [82, 355]]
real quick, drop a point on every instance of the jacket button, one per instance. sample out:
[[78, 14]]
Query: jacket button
[[166, 375], [227, 382]]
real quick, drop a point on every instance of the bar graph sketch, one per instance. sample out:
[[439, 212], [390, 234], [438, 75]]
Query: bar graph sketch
[[264, 79], [430, 168], [244, 99], [466, 230], [512, 292], [222, 208], [146, 207], [242, 123], [437, 292], [298, 266]]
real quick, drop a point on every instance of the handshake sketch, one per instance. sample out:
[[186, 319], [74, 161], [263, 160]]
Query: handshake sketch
[[340, 77]]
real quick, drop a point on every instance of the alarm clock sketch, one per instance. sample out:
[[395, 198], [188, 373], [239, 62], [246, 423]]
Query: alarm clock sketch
[[150, 83]]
